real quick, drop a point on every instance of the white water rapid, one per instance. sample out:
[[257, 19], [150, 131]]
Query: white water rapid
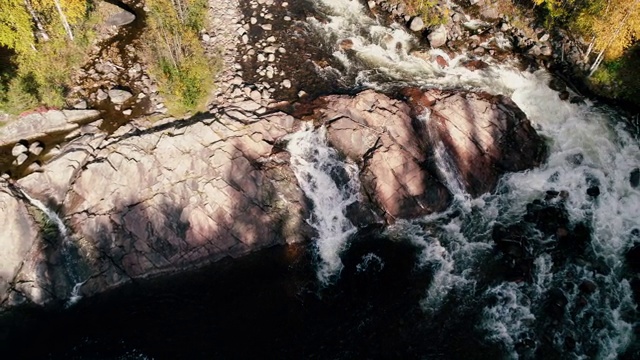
[[332, 185], [586, 149], [74, 296]]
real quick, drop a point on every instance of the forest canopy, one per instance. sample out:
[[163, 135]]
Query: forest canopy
[[43, 42]]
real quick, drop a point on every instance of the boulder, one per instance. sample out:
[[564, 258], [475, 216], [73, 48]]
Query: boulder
[[121, 19], [18, 149], [438, 36], [416, 24], [391, 149], [118, 96], [484, 135]]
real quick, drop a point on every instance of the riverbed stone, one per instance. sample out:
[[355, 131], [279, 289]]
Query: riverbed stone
[[121, 19], [118, 96], [438, 36], [416, 24]]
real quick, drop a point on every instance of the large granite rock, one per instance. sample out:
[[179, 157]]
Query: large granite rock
[[392, 150], [19, 234], [38, 130], [165, 199], [183, 193], [484, 135]]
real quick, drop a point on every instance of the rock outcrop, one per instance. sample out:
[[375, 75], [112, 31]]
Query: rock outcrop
[[146, 200], [19, 234], [484, 135], [392, 150]]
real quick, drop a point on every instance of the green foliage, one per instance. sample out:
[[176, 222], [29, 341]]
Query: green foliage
[[18, 96], [15, 26], [429, 10], [44, 68], [177, 59], [196, 15], [618, 78]]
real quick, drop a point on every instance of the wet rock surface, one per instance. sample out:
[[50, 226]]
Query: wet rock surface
[[379, 133], [142, 199], [484, 135]]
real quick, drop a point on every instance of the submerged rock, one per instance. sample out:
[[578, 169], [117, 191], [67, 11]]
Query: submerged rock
[[634, 178]]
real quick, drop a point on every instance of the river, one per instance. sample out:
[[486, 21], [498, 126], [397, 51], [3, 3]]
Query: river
[[430, 288]]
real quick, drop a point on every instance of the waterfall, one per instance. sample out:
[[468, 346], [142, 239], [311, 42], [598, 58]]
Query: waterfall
[[445, 164], [586, 150], [332, 185], [74, 296]]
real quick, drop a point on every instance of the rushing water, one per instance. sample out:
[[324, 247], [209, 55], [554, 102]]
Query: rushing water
[[433, 287], [332, 185], [586, 150], [63, 233]]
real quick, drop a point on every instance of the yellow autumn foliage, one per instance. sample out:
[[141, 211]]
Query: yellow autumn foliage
[[43, 63], [613, 24], [175, 55], [15, 26]]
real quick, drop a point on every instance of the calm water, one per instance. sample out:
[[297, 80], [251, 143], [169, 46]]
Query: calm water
[[267, 305]]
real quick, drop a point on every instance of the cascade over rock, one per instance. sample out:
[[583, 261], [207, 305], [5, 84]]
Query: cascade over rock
[[485, 135], [182, 193]]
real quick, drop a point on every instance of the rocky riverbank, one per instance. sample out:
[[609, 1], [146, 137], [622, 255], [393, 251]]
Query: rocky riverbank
[[142, 199]]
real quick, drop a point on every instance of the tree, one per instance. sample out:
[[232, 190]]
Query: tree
[[37, 21], [614, 27], [15, 26], [63, 19]]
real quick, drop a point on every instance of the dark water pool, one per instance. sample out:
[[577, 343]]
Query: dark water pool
[[265, 306]]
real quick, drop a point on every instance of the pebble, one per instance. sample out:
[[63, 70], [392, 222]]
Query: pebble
[[286, 83], [266, 27]]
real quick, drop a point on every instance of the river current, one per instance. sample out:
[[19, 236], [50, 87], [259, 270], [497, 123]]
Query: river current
[[428, 288]]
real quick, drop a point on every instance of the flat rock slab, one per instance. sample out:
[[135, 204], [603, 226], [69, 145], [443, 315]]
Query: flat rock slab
[[36, 125], [121, 19]]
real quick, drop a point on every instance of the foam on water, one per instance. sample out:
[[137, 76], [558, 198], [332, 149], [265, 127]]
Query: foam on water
[[321, 175], [585, 151], [74, 296]]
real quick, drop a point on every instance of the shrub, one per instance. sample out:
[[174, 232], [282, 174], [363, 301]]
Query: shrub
[[175, 55]]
